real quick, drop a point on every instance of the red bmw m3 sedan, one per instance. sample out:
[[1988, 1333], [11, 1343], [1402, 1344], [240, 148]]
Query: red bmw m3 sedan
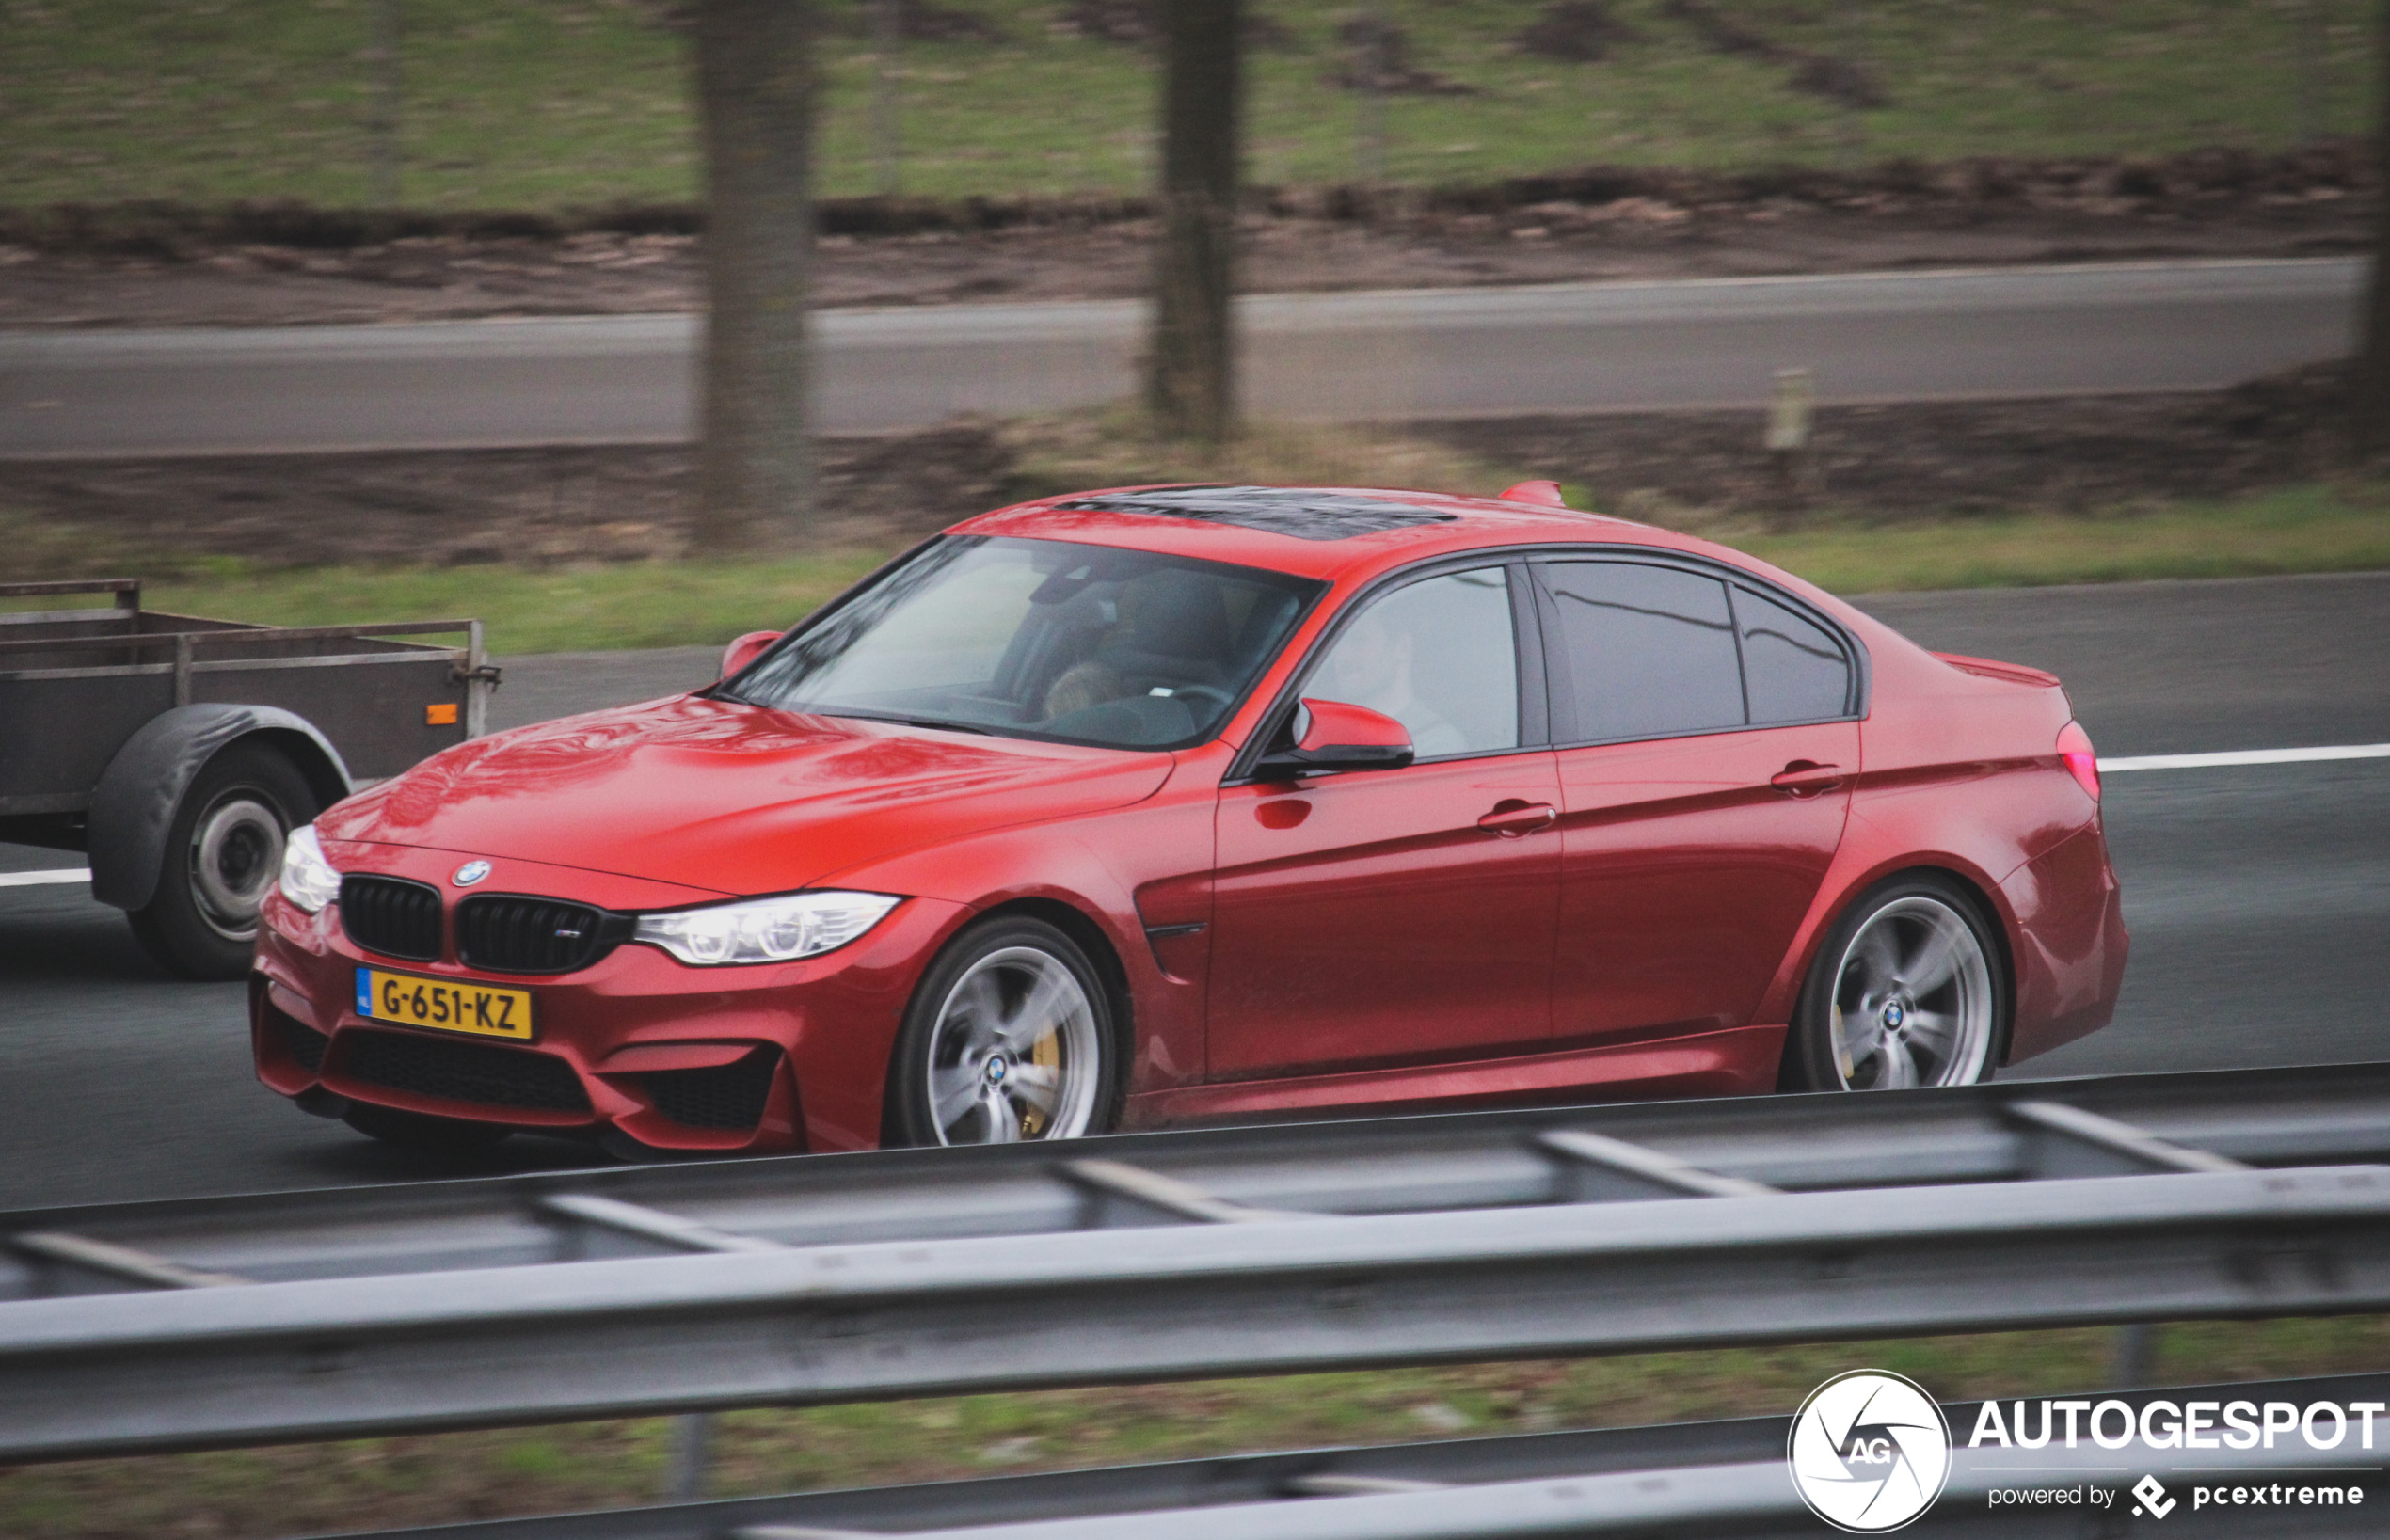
[[1207, 803]]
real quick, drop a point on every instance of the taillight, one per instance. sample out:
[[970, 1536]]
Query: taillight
[[2075, 747]]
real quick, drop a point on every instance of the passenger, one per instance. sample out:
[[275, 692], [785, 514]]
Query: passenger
[[1371, 667]]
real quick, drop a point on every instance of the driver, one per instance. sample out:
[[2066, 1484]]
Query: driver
[[1082, 685]]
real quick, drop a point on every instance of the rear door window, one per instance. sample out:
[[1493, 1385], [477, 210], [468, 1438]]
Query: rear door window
[[1640, 651], [1794, 668]]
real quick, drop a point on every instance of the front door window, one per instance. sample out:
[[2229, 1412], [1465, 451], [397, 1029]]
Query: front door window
[[1440, 656]]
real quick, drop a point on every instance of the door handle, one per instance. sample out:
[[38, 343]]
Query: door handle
[[1511, 818], [1806, 778]]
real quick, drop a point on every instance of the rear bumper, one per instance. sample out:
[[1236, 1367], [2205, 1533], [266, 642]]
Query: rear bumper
[[638, 1046], [2071, 943]]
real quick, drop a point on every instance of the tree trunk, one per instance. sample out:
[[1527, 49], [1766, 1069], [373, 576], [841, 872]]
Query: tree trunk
[[1191, 383], [2372, 393], [887, 37], [755, 94], [383, 112]]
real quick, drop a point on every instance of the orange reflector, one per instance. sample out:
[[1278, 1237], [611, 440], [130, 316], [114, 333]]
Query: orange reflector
[[439, 716]]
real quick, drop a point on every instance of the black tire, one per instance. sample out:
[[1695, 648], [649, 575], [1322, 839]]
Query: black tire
[[1087, 1096], [421, 1132], [220, 861], [1846, 980]]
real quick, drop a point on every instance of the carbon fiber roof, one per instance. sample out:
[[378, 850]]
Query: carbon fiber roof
[[1306, 514]]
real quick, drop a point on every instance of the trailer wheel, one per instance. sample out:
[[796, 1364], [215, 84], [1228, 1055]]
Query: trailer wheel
[[223, 854]]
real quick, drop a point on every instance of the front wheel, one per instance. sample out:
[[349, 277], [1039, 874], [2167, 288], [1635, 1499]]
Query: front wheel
[[1908, 991], [1011, 1035]]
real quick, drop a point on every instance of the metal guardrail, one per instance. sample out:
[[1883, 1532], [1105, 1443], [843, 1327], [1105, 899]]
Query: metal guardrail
[[1700, 1478], [244, 1321], [351, 1356], [2334, 1113]]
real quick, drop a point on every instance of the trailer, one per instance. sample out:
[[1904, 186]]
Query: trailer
[[179, 751]]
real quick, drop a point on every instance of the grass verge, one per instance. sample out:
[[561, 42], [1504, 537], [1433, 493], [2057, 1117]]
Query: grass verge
[[387, 1483], [2311, 528], [546, 103], [570, 609], [2317, 527]]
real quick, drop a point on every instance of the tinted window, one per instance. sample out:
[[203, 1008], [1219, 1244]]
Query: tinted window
[[1043, 639], [1794, 669], [1440, 657], [1644, 651]]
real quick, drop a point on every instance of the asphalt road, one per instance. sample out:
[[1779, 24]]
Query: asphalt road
[[2172, 326], [2258, 897]]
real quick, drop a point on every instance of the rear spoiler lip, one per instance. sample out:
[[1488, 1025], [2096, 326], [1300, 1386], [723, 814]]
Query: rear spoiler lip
[[1986, 668]]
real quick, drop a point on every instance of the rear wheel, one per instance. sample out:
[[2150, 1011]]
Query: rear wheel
[[223, 854], [1908, 991], [1011, 1035], [423, 1131]]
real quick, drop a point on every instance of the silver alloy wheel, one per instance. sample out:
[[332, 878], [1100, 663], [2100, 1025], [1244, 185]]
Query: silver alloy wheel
[[1912, 1000], [1016, 1053], [236, 854]]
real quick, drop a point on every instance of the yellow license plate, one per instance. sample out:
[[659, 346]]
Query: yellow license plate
[[444, 1004]]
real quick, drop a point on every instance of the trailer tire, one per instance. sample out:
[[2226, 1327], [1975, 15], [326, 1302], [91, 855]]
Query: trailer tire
[[223, 854]]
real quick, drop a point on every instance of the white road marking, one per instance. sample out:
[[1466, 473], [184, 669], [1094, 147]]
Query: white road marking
[[2245, 757], [34, 879]]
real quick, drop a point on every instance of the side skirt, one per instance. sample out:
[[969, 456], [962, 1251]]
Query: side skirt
[[1732, 1062]]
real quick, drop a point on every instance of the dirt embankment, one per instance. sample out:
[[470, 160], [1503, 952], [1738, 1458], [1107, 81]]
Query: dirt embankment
[[156, 264], [1692, 470]]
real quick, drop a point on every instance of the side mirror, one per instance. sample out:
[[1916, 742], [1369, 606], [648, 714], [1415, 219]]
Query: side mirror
[[743, 652], [1342, 737]]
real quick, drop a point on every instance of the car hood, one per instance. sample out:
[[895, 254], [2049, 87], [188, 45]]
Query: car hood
[[730, 797]]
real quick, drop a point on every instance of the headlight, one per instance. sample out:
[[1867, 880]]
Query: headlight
[[307, 879], [764, 929]]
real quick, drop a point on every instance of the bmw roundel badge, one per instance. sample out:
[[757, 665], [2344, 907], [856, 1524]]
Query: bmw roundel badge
[[470, 873]]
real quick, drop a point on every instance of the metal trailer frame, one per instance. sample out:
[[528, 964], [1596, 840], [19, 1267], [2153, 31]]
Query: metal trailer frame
[[79, 683], [1714, 1478], [116, 716], [1404, 1240]]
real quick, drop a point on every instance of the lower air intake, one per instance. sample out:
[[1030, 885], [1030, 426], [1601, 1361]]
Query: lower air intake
[[302, 1043], [727, 1096], [463, 1072]]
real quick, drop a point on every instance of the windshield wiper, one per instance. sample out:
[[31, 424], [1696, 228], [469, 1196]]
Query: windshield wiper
[[938, 723]]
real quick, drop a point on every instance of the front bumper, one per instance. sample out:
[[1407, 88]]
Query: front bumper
[[636, 1047]]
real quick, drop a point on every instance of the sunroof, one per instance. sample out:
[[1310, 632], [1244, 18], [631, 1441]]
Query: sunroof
[[1306, 515]]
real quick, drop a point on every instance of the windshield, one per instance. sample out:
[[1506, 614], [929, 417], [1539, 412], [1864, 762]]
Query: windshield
[[1039, 638]]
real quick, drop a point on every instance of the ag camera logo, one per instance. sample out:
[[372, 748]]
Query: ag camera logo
[[1869, 1451]]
